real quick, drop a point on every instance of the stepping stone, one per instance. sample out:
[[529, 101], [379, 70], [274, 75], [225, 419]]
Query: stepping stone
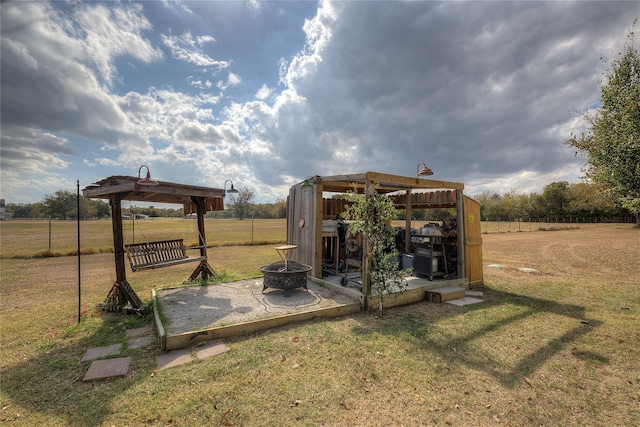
[[140, 341], [100, 352], [464, 301], [174, 358], [529, 270], [108, 368], [211, 349], [144, 330], [495, 266]]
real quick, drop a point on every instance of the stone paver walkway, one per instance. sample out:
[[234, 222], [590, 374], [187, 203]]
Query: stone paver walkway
[[104, 366]]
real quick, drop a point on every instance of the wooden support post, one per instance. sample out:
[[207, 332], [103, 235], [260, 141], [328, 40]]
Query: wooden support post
[[118, 239], [366, 256], [121, 291], [408, 214], [461, 236], [317, 240], [203, 270]]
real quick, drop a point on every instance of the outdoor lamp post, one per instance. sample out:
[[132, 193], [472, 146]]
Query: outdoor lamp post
[[231, 190]]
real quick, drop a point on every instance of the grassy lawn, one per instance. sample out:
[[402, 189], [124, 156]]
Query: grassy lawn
[[24, 238], [556, 347]]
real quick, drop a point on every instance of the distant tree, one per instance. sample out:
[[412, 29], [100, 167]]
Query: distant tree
[[612, 143], [555, 199], [241, 202], [280, 208], [61, 204], [102, 208]]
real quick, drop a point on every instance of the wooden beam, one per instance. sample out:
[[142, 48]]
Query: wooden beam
[[408, 182], [407, 225], [174, 342]]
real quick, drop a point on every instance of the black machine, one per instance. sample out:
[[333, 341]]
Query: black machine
[[429, 257]]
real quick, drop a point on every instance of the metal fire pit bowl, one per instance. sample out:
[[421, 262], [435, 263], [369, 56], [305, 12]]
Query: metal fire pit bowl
[[277, 276]]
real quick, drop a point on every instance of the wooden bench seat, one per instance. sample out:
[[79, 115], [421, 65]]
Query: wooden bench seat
[[165, 253]]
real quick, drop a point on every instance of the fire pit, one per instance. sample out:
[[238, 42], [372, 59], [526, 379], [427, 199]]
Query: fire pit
[[285, 275]]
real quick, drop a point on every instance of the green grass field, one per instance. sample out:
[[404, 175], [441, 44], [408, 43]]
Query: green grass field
[[559, 347]]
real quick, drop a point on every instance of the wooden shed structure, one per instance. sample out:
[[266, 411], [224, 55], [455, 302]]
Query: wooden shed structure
[[311, 205], [150, 255]]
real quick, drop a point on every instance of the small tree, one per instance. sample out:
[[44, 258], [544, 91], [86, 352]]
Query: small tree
[[612, 143], [371, 216], [241, 202]]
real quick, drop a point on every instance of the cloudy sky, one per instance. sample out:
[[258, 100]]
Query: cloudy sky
[[268, 93]]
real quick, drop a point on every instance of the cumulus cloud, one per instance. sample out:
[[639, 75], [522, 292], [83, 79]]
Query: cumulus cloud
[[472, 89], [482, 92], [189, 49]]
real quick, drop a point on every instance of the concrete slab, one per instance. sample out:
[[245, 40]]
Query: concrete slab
[[473, 293], [174, 358], [108, 368], [211, 349], [196, 308], [138, 342], [464, 301], [144, 330], [101, 352]]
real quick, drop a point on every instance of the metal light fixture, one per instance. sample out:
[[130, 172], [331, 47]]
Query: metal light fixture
[[231, 190], [147, 180], [424, 171], [308, 183]]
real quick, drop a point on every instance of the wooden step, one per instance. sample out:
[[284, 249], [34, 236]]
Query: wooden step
[[445, 294]]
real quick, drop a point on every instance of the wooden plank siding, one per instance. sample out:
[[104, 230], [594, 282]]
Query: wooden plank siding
[[473, 242], [301, 226]]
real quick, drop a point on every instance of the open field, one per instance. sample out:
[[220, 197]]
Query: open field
[[556, 347], [22, 238]]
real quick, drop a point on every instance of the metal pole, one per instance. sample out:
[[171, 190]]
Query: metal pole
[[49, 233], [79, 281]]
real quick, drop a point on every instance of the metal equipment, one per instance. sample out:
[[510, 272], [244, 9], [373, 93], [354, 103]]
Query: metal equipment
[[427, 260], [352, 259]]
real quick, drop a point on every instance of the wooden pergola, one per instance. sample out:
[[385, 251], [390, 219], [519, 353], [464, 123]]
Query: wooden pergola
[[194, 199], [308, 207]]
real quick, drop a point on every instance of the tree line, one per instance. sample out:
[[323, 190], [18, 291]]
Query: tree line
[[64, 205], [558, 199]]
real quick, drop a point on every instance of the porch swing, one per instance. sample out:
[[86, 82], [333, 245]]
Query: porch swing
[[164, 253]]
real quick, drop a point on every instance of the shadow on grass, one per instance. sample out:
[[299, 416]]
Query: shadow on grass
[[50, 385], [458, 343]]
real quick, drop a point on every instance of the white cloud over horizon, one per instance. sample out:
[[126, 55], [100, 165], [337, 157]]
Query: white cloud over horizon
[[268, 93]]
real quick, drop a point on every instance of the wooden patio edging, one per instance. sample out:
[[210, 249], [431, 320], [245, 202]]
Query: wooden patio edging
[[182, 340]]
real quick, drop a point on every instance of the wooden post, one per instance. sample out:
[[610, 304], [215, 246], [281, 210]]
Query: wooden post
[[317, 233], [366, 259], [204, 269], [461, 237], [121, 290], [118, 239], [408, 214]]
